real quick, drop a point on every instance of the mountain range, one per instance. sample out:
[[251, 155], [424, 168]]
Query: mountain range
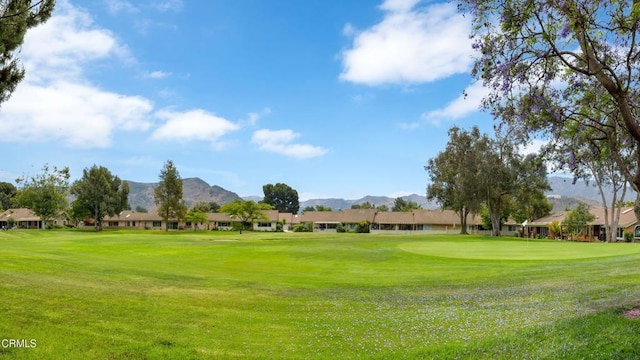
[[564, 194]]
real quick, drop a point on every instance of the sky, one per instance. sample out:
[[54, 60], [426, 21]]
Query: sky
[[333, 98]]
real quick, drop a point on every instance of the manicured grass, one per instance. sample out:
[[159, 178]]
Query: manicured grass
[[182, 295]]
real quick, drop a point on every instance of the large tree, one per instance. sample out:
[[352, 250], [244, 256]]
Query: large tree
[[400, 204], [45, 193], [282, 197], [453, 171], [7, 194], [16, 17], [245, 211], [577, 220], [551, 64], [98, 194], [168, 194]]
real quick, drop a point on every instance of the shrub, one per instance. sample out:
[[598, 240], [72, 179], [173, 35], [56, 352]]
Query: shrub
[[340, 228], [304, 227], [363, 227], [628, 236]]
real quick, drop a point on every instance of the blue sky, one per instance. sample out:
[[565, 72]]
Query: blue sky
[[334, 98]]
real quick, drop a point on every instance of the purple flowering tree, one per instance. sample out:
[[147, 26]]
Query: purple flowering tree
[[559, 67]]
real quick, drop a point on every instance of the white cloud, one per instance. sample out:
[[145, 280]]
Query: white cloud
[[75, 114], [62, 46], [69, 109], [192, 125], [280, 142], [156, 74], [117, 6], [168, 5], [465, 104], [533, 147], [399, 5], [410, 45], [253, 117]]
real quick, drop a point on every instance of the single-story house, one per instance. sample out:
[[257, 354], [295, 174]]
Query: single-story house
[[22, 218], [595, 230]]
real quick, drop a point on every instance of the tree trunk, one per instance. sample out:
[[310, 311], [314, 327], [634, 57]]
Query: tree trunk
[[463, 221], [495, 223]]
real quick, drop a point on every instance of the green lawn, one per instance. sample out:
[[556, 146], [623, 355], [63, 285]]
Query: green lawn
[[181, 295]]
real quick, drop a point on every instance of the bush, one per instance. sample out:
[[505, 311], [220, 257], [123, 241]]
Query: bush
[[340, 228], [304, 227], [363, 227], [628, 236]]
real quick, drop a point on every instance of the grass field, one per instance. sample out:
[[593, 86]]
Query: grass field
[[185, 295]]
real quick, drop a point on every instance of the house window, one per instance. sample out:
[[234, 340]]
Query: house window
[[406, 227], [512, 228], [172, 225], [188, 223], [157, 224], [113, 223], [224, 224], [387, 227], [264, 224]]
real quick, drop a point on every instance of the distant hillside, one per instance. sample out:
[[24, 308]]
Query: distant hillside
[[193, 189], [564, 194]]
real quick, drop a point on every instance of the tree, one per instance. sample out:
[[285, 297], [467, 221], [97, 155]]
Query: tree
[[308, 208], [577, 219], [196, 217], [7, 194], [16, 17], [168, 194], [246, 211], [282, 197], [141, 209], [508, 180], [551, 65], [580, 153], [453, 173], [46, 193], [323, 208], [98, 194], [400, 204]]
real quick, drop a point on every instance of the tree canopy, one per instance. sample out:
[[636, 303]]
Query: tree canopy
[[452, 173], [476, 171], [282, 197], [45, 193], [400, 204], [559, 67], [246, 211], [168, 194], [98, 194], [577, 219], [16, 17], [7, 194]]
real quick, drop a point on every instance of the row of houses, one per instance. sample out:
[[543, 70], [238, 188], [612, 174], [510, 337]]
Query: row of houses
[[416, 221], [426, 221]]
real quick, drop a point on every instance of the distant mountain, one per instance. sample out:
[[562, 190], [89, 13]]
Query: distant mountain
[[564, 194], [564, 186], [193, 190], [341, 204]]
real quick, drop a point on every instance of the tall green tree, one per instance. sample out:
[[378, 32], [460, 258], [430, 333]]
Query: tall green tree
[[452, 173], [168, 194], [245, 211], [282, 197], [577, 220], [45, 193], [508, 180], [196, 216], [400, 204], [7, 194], [99, 194], [546, 62], [16, 17]]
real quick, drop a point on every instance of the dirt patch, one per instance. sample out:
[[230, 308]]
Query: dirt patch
[[633, 313]]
